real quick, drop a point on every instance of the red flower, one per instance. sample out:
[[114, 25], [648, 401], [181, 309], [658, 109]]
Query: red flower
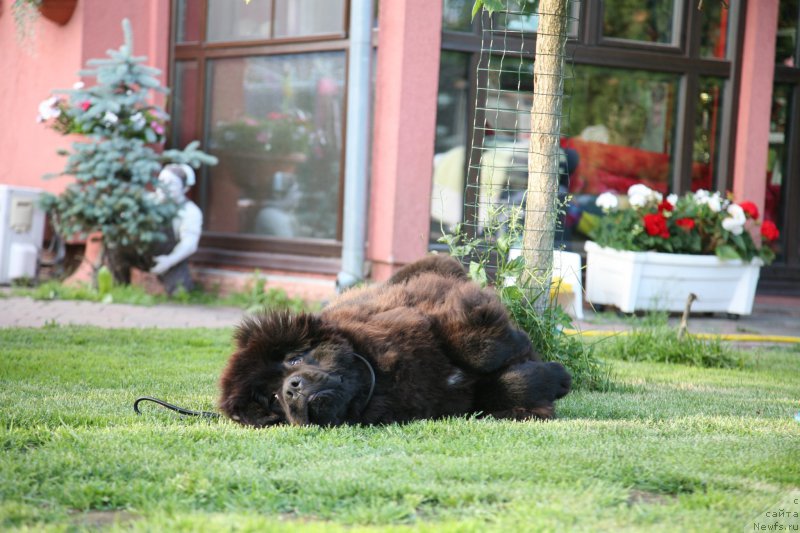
[[769, 230], [750, 209], [656, 225], [685, 223], [665, 206], [85, 105]]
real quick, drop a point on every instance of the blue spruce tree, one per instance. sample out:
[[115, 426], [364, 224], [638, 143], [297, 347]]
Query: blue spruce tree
[[116, 163]]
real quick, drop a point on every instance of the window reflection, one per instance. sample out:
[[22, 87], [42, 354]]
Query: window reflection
[[188, 21], [786, 40], [777, 156], [623, 123], [707, 133], [523, 16], [714, 34], [651, 21], [457, 15], [276, 125], [238, 21], [447, 195], [298, 18]]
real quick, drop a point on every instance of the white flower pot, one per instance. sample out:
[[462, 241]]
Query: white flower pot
[[640, 281]]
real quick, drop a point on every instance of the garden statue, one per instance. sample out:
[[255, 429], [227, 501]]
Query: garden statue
[[168, 257], [183, 234]]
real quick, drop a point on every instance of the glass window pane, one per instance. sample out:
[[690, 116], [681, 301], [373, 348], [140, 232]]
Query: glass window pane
[[238, 21], [651, 21], [447, 198], [714, 35], [184, 104], [777, 158], [188, 21], [786, 43], [457, 15], [276, 124], [623, 122], [296, 18], [523, 16], [707, 133]]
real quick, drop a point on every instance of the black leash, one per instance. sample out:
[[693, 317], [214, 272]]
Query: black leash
[[208, 414], [181, 410], [372, 380]]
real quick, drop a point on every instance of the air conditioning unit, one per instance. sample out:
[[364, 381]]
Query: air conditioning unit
[[21, 232]]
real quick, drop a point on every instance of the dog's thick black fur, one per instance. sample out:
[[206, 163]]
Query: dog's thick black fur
[[438, 343]]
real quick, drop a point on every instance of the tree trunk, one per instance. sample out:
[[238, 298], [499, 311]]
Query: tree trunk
[[543, 155]]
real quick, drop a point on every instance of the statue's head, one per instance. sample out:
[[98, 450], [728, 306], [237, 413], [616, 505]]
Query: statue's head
[[176, 180]]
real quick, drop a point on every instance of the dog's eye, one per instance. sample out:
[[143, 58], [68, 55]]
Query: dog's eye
[[295, 360]]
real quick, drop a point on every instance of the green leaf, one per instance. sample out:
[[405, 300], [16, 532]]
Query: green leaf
[[489, 5], [476, 7], [726, 251], [477, 273]]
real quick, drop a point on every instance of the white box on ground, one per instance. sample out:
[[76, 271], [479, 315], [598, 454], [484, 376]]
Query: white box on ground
[[21, 232]]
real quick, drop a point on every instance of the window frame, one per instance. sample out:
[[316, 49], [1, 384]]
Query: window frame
[[246, 250]]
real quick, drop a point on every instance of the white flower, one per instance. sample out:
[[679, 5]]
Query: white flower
[[78, 85], [715, 202], [732, 225], [735, 221], [701, 195], [736, 212], [607, 201], [49, 109], [639, 190], [637, 201], [640, 195], [110, 118], [672, 199], [138, 121]]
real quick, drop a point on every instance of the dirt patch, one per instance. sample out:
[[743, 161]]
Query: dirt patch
[[102, 519], [643, 497]]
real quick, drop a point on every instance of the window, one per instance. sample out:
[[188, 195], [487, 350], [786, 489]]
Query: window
[[275, 124], [262, 84], [647, 99]]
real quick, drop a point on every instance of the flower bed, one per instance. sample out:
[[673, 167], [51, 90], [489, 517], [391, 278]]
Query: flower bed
[[650, 252]]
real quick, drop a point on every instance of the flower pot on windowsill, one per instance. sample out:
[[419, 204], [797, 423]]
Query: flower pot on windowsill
[[58, 11], [254, 173], [649, 281]]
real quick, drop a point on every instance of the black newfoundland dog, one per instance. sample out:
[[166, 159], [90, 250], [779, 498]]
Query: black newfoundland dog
[[428, 343]]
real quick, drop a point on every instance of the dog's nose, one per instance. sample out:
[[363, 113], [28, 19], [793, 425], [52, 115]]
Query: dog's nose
[[294, 385]]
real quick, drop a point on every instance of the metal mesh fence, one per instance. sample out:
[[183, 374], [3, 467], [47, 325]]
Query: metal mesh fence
[[514, 183]]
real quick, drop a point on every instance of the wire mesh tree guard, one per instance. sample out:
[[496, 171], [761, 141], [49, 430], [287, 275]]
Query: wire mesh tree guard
[[517, 175]]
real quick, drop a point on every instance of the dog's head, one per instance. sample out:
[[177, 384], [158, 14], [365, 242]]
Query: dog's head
[[291, 368]]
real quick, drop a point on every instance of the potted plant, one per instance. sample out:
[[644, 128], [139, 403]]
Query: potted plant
[[649, 252], [26, 12], [118, 155]]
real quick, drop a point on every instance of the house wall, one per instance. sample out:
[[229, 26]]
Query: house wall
[[51, 61], [404, 130], [755, 101]]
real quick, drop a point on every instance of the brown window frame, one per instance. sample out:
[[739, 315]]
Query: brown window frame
[[242, 250]]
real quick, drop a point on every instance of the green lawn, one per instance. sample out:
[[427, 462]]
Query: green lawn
[[671, 447]]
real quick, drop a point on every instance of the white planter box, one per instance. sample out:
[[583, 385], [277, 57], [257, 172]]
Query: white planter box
[[639, 281]]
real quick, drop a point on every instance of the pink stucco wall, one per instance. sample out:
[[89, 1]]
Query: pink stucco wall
[[28, 149], [405, 121], [755, 101]]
